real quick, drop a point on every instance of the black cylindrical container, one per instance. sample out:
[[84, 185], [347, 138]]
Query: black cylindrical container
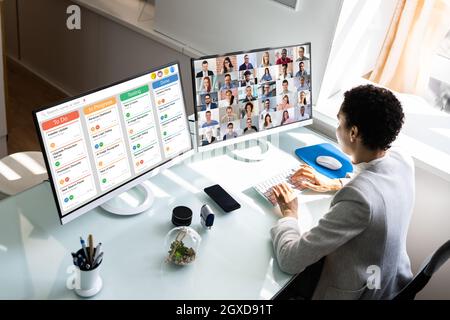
[[181, 216]]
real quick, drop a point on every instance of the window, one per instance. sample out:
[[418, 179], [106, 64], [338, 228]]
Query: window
[[438, 93], [426, 132]]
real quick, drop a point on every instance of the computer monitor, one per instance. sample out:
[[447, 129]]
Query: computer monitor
[[104, 142], [244, 95]]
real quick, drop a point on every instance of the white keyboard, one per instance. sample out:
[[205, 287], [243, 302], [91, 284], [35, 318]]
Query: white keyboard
[[265, 188]]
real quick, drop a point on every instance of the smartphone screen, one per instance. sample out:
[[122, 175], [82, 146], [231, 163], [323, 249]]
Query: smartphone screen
[[222, 198]]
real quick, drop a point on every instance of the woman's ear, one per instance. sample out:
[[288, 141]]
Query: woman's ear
[[354, 133]]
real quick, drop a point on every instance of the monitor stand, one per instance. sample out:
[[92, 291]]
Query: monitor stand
[[249, 151], [131, 202]]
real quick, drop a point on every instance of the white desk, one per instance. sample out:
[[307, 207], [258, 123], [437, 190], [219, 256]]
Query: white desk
[[235, 260]]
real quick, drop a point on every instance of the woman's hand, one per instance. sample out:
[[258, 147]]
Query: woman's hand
[[286, 199], [307, 177]]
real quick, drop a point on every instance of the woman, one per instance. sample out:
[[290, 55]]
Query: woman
[[267, 122], [229, 97], [227, 66], [284, 74], [365, 228], [206, 85], [265, 60], [248, 110], [285, 119], [302, 99], [267, 76], [284, 105]]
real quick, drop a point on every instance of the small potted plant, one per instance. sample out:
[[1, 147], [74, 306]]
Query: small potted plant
[[184, 242]]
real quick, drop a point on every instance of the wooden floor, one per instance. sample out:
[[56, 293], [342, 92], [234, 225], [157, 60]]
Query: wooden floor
[[25, 93]]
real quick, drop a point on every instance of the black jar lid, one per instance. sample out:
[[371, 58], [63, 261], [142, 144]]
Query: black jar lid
[[181, 216]]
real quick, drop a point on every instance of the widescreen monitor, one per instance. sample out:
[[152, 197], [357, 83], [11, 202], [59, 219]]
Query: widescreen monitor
[[244, 95], [106, 141]]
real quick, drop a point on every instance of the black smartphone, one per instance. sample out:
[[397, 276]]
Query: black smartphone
[[222, 198]]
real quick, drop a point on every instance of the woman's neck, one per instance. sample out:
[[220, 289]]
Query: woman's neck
[[366, 155]]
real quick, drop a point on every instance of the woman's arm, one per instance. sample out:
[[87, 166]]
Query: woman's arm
[[347, 218], [307, 177]]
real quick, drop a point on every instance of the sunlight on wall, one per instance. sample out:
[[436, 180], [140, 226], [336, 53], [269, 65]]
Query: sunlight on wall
[[29, 163], [8, 173]]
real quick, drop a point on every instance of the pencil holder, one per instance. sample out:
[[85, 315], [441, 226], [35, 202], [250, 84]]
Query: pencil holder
[[89, 282]]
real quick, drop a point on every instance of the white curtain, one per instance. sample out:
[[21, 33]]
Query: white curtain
[[416, 30]]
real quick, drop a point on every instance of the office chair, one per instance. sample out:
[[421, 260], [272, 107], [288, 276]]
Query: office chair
[[302, 286], [429, 267]]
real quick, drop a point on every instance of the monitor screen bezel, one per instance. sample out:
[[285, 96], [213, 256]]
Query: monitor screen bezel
[[258, 134], [95, 202]]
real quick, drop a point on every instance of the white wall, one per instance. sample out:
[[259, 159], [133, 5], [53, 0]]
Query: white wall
[[104, 51], [430, 228], [101, 53], [216, 26]]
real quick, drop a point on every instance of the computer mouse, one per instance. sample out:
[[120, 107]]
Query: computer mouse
[[329, 162]]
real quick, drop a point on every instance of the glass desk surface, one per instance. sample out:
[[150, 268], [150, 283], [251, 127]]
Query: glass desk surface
[[235, 258]]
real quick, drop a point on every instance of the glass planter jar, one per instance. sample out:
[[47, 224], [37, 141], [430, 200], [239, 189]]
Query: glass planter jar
[[182, 245]]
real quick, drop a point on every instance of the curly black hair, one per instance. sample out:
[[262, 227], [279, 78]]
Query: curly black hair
[[377, 114]]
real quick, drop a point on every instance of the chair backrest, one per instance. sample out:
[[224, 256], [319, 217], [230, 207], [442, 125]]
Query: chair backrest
[[429, 267]]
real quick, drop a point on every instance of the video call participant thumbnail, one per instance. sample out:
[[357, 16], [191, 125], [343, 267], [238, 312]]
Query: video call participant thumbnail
[[301, 55], [302, 100], [269, 104], [208, 103], [267, 121], [265, 60], [301, 70], [209, 121], [206, 85], [302, 85], [231, 134], [227, 66], [248, 79], [284, 59], [228, 83], [266, 76], [205, 72], [250, 128], [285, 88], [286, 118], [303, 114], [248, 94], [209, 137], [248, 111], [284, 73], [268, 91], [247, 65], [228, 98], [229, 115], [284, 104]]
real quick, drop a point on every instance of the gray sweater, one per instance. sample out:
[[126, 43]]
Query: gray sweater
[[366, 226]]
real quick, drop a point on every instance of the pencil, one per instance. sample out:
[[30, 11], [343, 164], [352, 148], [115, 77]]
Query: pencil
[[91, 248]]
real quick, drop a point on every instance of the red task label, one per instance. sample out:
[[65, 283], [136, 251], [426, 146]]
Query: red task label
[[47, 125]]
